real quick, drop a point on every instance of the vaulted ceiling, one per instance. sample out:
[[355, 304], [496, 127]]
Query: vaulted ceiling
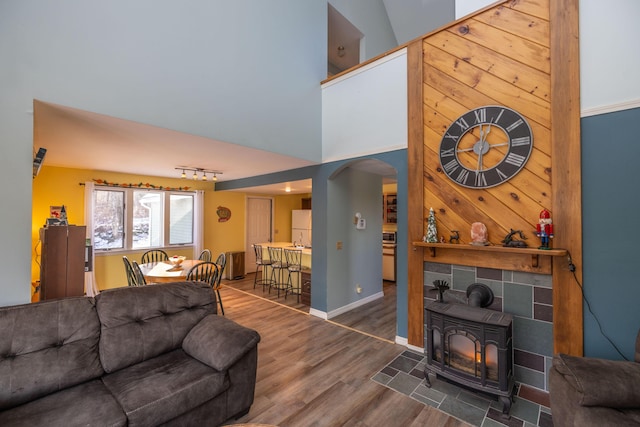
[[81, 139]]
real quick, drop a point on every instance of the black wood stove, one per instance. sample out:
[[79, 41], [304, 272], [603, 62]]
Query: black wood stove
[[471, 346]]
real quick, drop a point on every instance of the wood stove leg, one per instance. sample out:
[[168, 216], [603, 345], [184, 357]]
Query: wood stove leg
[[427, 382], [506, 406]]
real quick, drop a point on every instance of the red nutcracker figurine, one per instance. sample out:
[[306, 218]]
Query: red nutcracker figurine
[[544, 229]]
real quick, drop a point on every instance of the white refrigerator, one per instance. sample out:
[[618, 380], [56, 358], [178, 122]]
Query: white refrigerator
[[301, 227]]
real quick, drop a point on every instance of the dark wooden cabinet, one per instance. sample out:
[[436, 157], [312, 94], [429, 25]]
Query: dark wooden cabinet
[[389, 208], [62, 262], [305, 296]]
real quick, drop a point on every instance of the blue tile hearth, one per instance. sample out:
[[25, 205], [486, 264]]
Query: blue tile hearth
[[405, 374]]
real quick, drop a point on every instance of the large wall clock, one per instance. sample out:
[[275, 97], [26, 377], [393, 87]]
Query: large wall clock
[[485, 147]]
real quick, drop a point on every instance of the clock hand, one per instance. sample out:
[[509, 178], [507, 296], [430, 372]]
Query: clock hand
[[480, 149], [479, 168]]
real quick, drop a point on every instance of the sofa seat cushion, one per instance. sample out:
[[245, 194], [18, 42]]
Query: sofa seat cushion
[[219, 342], [154, 391], [601, 382], [88, 404]]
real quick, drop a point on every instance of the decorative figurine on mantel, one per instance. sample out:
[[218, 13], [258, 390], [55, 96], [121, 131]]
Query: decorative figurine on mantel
[[479, 234], [432, 231], [511, 242], [544, 229]]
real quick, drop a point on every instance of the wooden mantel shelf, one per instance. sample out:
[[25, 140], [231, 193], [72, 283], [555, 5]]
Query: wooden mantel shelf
[[534, 253]]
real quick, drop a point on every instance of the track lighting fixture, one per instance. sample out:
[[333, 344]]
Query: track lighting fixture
[[197, 171]]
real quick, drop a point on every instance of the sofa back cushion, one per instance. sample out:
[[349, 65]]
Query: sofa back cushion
[[46, 347], [139, 323]]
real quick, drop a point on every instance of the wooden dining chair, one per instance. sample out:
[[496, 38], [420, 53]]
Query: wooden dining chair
[[221, 262], [207, 272], [132, 280], [154, 255], [205, 255], [141, 281]]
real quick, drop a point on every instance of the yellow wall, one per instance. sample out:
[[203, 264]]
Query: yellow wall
[[283, 205], [56, 186]]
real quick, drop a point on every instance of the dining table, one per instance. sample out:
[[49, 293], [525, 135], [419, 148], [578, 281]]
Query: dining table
[[164, 271]]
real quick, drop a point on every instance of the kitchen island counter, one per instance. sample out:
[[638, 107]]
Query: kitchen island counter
[[306, 252]]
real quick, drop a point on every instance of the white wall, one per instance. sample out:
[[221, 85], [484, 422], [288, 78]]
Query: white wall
[[370, 17], [609, 56], [413, 18], [365, 112]]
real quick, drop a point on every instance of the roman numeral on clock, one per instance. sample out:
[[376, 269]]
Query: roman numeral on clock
[[462, 123], [448, 152], [451, 166], [515, 159], [514, 125], [481, 180], [463, 176], [524, 140], [480, 115]]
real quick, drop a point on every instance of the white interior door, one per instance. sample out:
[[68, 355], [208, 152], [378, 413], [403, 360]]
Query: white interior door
[[259, 227]]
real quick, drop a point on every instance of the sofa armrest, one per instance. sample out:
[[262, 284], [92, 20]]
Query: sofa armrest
[[601, 382], [219, 342]]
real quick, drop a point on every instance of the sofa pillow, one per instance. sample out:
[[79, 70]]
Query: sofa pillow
[[219, 342], [601, 382]]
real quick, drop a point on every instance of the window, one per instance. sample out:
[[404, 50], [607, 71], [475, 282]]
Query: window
[[139, 219]]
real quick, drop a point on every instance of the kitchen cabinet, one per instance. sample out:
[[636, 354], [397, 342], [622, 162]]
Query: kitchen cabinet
[[390, 208], [389, 262], [305, 296]]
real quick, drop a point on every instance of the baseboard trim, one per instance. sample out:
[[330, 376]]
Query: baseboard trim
[[355, 304], [611, 108]]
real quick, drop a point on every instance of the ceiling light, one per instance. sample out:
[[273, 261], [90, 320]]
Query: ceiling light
[[196, 171]]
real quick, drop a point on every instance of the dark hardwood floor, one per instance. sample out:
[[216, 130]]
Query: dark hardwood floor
[[313, 372], [377, 318]]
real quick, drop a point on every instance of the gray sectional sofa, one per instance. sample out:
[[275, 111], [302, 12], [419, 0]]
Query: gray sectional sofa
[[592, 392], [135, 356]]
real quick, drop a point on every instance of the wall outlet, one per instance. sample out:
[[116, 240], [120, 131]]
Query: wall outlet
[[359, 289]]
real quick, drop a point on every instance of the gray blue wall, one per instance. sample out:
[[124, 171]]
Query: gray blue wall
[[325, 213], [611, 233]]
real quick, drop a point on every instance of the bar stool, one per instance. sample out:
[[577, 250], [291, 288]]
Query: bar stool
[[261, 263], [278, 264], [294, 267]]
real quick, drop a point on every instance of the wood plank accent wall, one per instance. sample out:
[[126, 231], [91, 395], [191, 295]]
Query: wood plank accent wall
[[522, 54]]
